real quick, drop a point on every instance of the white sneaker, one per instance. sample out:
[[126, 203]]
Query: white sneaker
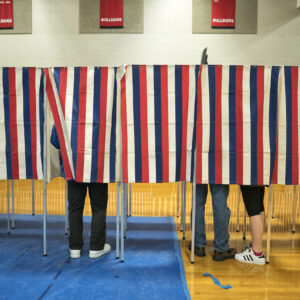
[[98, 253], [75, 253], [250, 258]]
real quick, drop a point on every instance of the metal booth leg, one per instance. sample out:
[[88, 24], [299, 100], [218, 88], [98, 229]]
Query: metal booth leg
[[126, 209], [181, 208], [122, 220], [118, 222], [269, 225], [8, 207], [66, 208], [12, 205], [184, 210], [177, 199], [193, 223], [32, 195], [129, 199], [238, 209], [273, 206], [45, 183], [294, 209], [45, 219], [245, 223]]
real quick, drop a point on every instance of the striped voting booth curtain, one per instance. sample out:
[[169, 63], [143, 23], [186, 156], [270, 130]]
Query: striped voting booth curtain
[[158, 121], [236, 124], [247, 123], [287, 162], [21, 123], [84, 108]]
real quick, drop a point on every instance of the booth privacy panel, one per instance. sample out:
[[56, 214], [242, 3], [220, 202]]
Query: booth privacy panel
[[88, 102], [248, 125], [21, 123], [242, 122], [286, 161], [158, 118]]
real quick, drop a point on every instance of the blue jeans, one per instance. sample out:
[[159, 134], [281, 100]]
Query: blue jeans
[[221, 214]]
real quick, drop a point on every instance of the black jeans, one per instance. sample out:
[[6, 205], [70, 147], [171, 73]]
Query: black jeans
[[98, 196]]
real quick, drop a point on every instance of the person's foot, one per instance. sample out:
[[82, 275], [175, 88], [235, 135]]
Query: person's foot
[[199, 251], [220, 256], [75, 253], [98, 253], [249, 257]]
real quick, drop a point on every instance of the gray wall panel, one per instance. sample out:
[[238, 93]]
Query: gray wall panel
[[22, 18], [89, 17], [246, 17]]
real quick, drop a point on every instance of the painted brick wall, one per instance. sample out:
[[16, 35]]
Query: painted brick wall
[[167, 38]]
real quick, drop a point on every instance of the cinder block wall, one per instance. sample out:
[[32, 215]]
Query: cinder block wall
[[167, 38]]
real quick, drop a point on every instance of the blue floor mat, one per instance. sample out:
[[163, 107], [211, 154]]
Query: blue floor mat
[[153, 267]]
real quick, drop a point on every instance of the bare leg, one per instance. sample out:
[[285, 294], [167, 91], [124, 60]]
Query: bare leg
[[257, 225], [262, 213]]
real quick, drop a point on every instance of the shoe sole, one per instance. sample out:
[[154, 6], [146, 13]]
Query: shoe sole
[[92, 255], [97, 255], [223, 258]]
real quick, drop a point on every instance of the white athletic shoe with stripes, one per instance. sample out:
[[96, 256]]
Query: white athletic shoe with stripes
[[249, 257]]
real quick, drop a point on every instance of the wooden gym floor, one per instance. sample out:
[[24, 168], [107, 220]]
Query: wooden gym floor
[[278, 280]]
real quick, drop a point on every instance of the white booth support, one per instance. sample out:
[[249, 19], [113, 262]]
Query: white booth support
[[66, 208], [33, 208], [245, 223], [12, 205], [269, 225], [8, 207], [181, 208], [184, 210], [193, 211], [45, 183], [122, 220], [238, 209], [129, 215], [118, 222], [294, 208], [126, 208], [177, 199]]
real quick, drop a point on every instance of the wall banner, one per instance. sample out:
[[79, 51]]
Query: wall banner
[[6, 14], [223, 14], [111, 13]]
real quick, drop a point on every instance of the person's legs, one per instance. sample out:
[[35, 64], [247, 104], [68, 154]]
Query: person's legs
[[221, 214], [98, 197], [257, 231], [201, 194], [76, 197], [253, 197]]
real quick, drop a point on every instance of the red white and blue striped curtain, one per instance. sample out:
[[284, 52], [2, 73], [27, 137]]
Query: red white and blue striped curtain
[[86, 122], [237, 123], [247, 123], [21, 123], [287, 162], [158, 120]]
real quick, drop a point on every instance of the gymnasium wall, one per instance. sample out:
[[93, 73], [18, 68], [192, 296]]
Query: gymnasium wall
[[167, 38]]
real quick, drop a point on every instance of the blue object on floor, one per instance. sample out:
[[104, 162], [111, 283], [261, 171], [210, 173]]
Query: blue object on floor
[[217, 282], [153, 267]]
